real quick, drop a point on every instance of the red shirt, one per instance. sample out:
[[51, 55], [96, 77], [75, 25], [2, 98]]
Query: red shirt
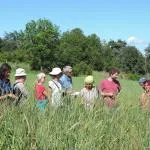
[[109, 86], [39, 89]]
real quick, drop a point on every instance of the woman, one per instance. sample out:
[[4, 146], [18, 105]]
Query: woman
[[89, 93], [40, 92], [145, 97], [5, 85], [55, 89], [109, 88], [19, 89]]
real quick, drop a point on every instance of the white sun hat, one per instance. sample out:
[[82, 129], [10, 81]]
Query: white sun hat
[[20, 72], [55, 71]]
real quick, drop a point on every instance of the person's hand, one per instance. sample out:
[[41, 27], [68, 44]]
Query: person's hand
[[69, 91], [10, 95], [111, 94]]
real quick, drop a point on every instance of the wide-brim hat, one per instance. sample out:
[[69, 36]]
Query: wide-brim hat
[[55, 71], [20, 72]]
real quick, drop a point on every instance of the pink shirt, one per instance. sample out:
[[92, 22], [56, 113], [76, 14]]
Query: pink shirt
[[39, 89], [109, 86]]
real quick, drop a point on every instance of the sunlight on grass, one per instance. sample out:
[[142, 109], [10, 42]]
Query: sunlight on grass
[[72, 127]]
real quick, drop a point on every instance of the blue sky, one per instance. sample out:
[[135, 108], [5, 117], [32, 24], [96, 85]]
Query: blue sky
[[127, 20]]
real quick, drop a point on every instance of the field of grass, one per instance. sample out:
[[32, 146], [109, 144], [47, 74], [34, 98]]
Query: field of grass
[[74, 128]]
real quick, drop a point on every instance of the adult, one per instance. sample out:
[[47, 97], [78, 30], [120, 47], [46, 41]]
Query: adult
[[5, 84], [40, 92], [66, 80], [145, 97], [110, 87], [142, 82], [89, 93], [55, 89], [19, 89]]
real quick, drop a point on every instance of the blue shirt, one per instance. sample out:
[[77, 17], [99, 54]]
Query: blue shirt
[[66, 82], [5, 86]]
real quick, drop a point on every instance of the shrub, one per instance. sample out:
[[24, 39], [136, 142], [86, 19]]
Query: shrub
[[82, 69], [132, 76]]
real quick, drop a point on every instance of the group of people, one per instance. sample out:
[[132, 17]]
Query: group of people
[[60, 86], [15, 93]]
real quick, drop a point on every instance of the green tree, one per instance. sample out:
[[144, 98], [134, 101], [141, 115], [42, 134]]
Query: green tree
[[147, 58], [41, 41], [93, 52], [110, 60], [72, 47], [132, 60]]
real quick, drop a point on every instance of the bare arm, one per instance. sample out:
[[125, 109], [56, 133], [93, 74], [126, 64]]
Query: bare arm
[[10, 95], [3, 97], [106, 94], [45, 93]]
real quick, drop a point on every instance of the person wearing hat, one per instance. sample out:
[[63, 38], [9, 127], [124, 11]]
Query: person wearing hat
[[40, 92], [89, 93], [55, 89], [19, 89], [142, 82], [110, 87], [5, 84], [66, 80]]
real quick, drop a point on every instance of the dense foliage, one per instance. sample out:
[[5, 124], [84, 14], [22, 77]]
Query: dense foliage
[[43, 46]]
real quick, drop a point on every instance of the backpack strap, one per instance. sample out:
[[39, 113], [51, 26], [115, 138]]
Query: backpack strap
[[13, 87], [56, 85], [14, 92]]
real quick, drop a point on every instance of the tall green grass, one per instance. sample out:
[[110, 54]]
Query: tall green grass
[[71, 127]]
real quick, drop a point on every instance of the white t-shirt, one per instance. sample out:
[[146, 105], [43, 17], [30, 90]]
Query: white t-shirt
[[89, 96], [56, 92]]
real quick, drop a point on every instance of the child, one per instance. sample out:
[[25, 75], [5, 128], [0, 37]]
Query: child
[[40, 92], [89, 93], [19, 89], [55, 89]]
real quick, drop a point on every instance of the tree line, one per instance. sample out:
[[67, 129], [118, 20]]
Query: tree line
[[42, 45]]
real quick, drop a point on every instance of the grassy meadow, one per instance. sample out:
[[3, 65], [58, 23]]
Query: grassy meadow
[[71, 127]]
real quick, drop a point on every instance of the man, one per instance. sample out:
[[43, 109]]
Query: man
[[66, 80], [110, 87]]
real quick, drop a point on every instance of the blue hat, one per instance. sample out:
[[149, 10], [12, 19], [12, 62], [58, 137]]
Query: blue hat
[[142, 80]]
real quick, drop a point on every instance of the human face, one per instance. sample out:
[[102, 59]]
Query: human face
[[43, 79], [7, 74], [147, 87], [69, 73], [142, 85], [89, 85], [24, 78], [115, 75], [59, 75]]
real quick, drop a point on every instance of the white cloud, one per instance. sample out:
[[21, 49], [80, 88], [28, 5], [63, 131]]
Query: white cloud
[[132, 40]]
